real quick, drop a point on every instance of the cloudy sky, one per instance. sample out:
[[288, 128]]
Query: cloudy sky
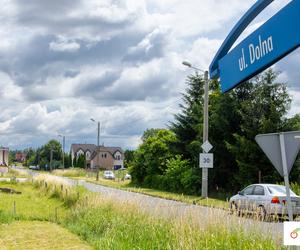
[[118, 61]]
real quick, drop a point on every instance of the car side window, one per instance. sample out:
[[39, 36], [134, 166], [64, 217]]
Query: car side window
[[248, 190], [259, 190]]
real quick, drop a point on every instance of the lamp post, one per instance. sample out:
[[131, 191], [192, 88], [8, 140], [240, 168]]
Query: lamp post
[[205, 125], [51, 158], [98, 137], [98, 148], [63, 150]]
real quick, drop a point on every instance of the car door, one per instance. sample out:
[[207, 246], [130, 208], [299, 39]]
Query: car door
[[257, 198], [245, 197]]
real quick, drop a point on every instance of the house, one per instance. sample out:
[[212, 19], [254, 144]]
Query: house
[[20, 157], [4, 152], [105, 157]]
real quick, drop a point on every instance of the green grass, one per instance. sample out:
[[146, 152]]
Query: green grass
[[126, 185], [32, 204], [25, 218], [14, 173], [71, 172], [190, 199], [108, 224], [38, 235]]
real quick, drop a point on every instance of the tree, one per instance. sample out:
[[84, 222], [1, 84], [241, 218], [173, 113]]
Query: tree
[[30, 157], [262, 111], [45, 153], [188, 123], [128, 158], [235, 118], [151, 157], [80, 161]]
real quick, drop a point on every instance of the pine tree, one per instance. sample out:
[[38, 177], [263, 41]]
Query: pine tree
[[188, 124], [261, 111]]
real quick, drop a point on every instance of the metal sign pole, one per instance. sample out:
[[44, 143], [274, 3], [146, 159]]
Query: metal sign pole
[[205, 136], [286, 176]]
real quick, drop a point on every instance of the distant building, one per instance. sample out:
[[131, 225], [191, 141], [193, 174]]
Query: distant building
[[4, 152], [20, 157], [105, 157]]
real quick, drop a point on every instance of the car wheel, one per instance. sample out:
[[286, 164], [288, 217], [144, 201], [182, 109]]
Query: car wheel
[[261, 213], [234, 208]]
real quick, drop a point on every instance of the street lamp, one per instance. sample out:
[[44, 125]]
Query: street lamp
[[98, 137], [63, 150], [98, 151], [205, 125]]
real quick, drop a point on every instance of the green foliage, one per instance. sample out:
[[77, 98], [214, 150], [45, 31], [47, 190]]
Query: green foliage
[[129, 158], [235, 118], [188, 123], [80, 161], [107, 224], [262, 110], [41, 156], [152, 155], [179, 176]]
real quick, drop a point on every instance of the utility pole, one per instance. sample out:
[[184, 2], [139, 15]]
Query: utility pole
[[98, 149], [204, 188], [205, 134], [51, 158], [98, 139], [98, 152], [63, 158], [63, 150]]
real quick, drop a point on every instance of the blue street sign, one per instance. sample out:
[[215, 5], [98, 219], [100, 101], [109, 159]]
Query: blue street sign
[[268, 44], [237, 30]]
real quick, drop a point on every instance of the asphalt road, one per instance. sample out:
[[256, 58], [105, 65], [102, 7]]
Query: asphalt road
[[173, 209]]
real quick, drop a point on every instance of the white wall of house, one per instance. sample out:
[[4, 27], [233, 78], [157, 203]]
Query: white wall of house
[[118, 161], [4, 156]]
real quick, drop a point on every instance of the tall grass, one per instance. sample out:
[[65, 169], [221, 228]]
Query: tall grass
[[111, 224], [71, 172], [31, 204]]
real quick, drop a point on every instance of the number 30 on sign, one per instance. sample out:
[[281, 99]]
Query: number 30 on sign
[[206, 161]]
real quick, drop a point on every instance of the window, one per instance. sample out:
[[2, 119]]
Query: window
[[105, 155], [248, 190], [88, 155], [279, 190], [259, 190], [80, 152]]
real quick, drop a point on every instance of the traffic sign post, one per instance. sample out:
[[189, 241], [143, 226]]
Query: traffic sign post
[[275, 39], [206, 146], [282, 150], [286, 176], [206, 160]]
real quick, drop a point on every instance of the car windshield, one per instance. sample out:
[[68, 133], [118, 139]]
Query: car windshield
[[279, 190]]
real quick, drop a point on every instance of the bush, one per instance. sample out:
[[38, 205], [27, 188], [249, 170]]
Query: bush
[[180, 177]]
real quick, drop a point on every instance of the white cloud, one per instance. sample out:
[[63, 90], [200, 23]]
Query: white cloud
[[64, 46], [63, 62]]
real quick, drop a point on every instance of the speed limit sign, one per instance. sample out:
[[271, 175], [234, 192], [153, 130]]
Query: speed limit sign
[[206, 161]]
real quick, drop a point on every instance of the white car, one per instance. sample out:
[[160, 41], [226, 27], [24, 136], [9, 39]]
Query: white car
[[264, 200], [109, 175], [34, 167], [127, 177]]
